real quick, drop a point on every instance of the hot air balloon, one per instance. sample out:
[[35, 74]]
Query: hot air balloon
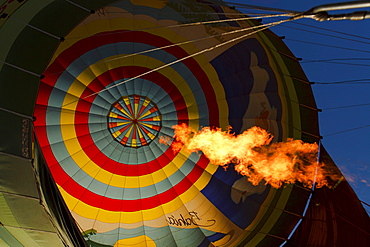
[[88, 88]]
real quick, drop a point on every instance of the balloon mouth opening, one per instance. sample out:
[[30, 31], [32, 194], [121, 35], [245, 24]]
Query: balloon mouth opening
[[134, 121]]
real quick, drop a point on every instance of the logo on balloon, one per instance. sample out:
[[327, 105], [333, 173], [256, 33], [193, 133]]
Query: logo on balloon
[[192, 219]]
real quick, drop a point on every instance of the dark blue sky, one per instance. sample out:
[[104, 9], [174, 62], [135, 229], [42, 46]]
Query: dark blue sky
[[345, 47]]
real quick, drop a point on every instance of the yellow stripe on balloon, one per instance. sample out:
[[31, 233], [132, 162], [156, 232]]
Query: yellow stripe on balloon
[[146, 102], [113, 115], [138, 241], [116, 134], [136, 109], [145, 114], [90, 212], [123, 123], [139, 132], [127, 114]]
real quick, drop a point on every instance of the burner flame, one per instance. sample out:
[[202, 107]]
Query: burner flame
[[253, 154]]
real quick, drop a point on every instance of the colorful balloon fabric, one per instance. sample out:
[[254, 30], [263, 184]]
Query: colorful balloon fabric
[[118, 83]]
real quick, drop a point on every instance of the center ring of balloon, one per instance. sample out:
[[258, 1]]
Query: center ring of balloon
[[134, 121]]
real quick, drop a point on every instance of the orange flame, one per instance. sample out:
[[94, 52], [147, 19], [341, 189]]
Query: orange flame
[[254, 155]]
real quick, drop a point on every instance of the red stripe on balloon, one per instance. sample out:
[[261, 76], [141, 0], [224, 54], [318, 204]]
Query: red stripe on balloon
[[110, 204]]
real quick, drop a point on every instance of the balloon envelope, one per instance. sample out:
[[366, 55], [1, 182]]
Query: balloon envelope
[[118, 83]]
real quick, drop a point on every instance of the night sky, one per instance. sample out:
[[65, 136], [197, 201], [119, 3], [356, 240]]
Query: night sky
[[336, 56]]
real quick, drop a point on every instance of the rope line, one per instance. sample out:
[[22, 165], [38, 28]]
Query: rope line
[[332, 46], [348, 130], [329, 30], [15, 113], [346, 106], [325, 34], [81, 7], [35, 28], [354, 81], [335, 59], [333, 62], [249, 6], [19, 68]]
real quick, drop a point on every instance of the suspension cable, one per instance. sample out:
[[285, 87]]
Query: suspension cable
[[346, 106], [348, 130]]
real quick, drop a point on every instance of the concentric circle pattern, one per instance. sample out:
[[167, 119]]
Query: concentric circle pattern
[[134, 121], [121, 80]]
